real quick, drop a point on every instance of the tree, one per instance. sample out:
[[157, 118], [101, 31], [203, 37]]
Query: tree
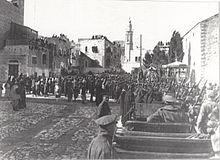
[[159, 56], [147, 59], [176, 48]]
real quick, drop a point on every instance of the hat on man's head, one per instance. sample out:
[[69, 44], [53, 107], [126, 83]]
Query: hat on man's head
[[169, 98], [106, 120], [211, 94]]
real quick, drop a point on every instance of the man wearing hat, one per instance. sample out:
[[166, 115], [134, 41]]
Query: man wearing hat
[[172, 112], [101, 146], [205, 110], [103, 108]]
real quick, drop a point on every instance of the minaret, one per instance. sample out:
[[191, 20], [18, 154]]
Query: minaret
[[128, 42]]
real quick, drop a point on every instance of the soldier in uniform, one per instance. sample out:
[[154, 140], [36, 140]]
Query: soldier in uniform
[[170, 113], [213, 128], [205, 110], [101, 146]]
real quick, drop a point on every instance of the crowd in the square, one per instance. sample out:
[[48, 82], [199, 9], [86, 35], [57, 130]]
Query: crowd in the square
[[181, 101]]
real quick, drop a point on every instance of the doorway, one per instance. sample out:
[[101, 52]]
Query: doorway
[[13, 68]]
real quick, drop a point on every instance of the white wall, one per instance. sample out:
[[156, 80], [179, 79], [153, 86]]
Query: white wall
[[100, 43], [192, 46], [203, 43]]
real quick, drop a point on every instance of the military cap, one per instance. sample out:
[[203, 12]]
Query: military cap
[[106, 120], [169, 98]]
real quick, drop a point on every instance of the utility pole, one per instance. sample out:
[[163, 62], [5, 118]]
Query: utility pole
[[35, 13], [141, 51]]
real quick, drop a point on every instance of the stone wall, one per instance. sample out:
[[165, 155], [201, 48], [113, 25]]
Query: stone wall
[[5, 61], [89, 43], [209, 49], [200, 45], [108, 54], [192, 49], [23, 55], [9, 13]]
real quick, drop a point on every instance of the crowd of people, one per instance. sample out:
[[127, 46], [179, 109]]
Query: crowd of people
[[181, 102], [72, 87]]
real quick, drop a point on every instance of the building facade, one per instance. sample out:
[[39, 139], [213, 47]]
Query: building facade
[[120, 52], [22, 50], [60, 52], [16, 59], [23, 53], [99, 48], [27, 53], [200, 45], [10, 11]]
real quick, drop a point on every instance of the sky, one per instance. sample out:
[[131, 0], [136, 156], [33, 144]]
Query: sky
[[155, 20]]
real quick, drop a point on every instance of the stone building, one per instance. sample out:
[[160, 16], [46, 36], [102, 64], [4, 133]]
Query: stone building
[[120, 51], [101, 49], [27, 53], [200, 45], [23, 52], [10, 11], [82, 63], [60, 48], [86, 64]]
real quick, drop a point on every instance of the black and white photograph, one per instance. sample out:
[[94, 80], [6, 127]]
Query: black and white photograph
[[109, 79]]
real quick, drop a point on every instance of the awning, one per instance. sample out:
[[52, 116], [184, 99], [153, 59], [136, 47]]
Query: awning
[[175, 64]]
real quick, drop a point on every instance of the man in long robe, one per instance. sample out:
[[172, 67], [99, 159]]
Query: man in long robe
[[15, 96], [103, 108], [99, 92]]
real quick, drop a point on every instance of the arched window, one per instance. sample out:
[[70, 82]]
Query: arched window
[[44, 59]]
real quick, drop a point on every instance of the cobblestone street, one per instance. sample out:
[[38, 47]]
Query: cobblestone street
[[47, 130]]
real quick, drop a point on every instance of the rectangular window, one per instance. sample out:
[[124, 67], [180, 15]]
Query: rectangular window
[[34, 60], [136, 59], [44, 59], [95, 49]]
